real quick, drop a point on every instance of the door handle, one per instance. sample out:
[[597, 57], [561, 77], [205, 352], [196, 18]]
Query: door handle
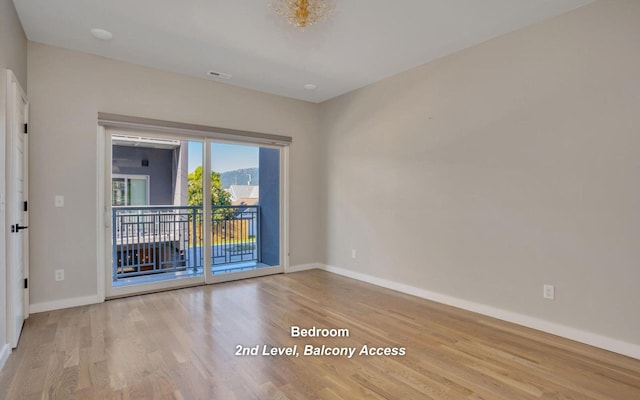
[[17, 228]]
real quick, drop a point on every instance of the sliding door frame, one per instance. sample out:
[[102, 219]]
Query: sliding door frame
[[110, 124], [283, 220], [105, 211]]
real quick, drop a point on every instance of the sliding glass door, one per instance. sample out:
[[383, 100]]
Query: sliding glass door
[[186, 211], [154, 232], [245, 218], [129, 190]]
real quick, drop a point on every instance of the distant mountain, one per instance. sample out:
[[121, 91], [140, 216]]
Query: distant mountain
[[240, 177]]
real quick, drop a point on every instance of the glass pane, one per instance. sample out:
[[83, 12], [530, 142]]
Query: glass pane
[[117, 192], [137, 192], [244, 193], [160, 237]]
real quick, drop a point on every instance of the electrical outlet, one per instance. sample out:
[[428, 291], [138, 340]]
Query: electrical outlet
[[354, 254], [548, 292], [59, 275], [59, 201]]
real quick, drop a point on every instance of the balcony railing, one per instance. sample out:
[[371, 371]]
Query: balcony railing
[[167, 239]]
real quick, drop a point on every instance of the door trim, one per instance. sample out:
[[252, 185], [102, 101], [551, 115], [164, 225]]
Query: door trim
[[102, 213], [155, 125]]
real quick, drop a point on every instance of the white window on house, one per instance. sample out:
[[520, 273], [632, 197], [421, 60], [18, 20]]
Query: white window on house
[[129, 190]]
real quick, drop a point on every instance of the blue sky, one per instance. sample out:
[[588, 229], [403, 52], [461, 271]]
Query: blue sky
[[224, 157]]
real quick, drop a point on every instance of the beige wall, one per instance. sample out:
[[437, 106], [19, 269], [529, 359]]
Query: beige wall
[[491, 172], [480, 176], [13, 55], [67, 89]]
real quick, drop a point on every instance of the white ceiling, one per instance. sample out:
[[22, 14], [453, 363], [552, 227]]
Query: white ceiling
[[363, 41]]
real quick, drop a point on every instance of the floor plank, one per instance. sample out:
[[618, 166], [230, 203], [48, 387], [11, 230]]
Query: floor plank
[[181, 345]]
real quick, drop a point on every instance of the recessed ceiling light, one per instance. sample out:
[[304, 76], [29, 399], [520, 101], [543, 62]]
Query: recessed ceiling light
[[101, 34], [310, 86]]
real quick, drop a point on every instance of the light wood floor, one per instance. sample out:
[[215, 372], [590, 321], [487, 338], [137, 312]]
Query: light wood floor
[[181, 345]]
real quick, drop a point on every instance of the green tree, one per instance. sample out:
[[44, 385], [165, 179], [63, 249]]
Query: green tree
[[219, 196]]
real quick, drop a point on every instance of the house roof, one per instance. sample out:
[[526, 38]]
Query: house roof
[[244, 192]]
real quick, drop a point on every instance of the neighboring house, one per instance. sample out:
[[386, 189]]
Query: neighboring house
[[245, 224], [244, 195], [148, 171]]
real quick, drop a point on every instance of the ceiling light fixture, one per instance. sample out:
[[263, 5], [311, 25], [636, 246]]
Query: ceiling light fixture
[[101, 34], [310, 86], [301, 13]]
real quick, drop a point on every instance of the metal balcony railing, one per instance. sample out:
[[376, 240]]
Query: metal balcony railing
[[166, 239], [235, 234]]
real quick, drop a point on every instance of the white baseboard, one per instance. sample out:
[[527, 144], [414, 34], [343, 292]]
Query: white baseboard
[[60, 304], [304, 267], [4, 354], [593, 339]]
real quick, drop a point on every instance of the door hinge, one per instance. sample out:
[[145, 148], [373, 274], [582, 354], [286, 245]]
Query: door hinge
[[26, 283], [26, 207], [26, 128]]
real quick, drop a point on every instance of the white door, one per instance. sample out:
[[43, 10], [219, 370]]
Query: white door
[[17, 214]]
